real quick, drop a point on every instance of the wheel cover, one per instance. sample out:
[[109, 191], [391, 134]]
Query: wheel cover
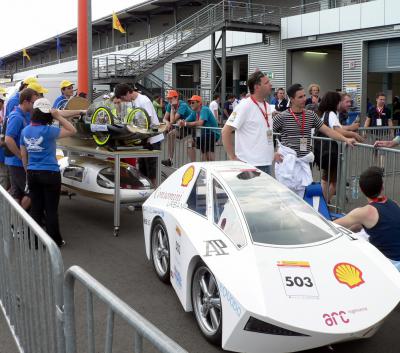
[[139, 118], [206, 301], [101, 116], [160, 249]]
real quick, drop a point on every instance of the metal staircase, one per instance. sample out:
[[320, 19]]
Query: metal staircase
[[230, 15]]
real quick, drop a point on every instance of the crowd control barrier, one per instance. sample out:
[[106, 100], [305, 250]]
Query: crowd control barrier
[[372, 134], [31, 281], [142, 329]]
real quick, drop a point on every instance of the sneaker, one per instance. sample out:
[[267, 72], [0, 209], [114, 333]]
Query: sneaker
[[63, 243], [167, 162]]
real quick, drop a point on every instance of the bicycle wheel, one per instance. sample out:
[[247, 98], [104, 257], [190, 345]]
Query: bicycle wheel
[[102, 116], [138, 117]]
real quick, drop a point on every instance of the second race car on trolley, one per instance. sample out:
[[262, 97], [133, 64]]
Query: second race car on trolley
[[260, 268], [113, 125]]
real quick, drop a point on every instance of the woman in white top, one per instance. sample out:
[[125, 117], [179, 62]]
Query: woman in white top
[[326, 152]]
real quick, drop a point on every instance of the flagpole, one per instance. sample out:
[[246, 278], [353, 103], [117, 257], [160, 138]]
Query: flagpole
[[112, 38]]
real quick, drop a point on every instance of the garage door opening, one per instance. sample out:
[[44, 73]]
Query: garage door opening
[[321, 65]]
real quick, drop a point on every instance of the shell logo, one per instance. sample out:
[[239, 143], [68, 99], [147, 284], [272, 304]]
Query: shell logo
[[187, 176], [348, 274]]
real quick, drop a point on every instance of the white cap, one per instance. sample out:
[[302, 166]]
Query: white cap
[[43, 105]]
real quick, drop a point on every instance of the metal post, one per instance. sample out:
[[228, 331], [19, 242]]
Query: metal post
[[213, 66], [223, 68], [90, 51], [117, 195], [342, 171]]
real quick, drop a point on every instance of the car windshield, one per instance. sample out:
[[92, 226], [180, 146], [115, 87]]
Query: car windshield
[[274, 214]]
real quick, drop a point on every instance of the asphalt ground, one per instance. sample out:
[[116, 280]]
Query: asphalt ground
[[120, 264]]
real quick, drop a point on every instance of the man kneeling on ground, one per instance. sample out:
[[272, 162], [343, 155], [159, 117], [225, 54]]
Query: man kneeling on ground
[[380, 218]]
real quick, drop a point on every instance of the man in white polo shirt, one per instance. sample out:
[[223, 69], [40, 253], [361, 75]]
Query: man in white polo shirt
[[252, 122]]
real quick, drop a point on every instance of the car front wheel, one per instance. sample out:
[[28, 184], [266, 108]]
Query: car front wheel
[[206, 303], [160, 251]]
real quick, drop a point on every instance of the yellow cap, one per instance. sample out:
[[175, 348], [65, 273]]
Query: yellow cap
[[36, 86], [30, 80], [65, 83], [3, 90]]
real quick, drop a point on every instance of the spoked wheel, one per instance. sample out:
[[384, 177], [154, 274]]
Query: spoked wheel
[[160, 251], [206, 303], [102, 116], [138, 117]]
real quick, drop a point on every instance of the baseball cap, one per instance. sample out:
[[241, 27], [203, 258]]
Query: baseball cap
[[196, 98], [36, 86], [3, 90], [172, 94], [65, 83], [29, 80], [42, 104]]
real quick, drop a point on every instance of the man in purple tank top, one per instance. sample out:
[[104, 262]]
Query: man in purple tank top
[[380, 218]]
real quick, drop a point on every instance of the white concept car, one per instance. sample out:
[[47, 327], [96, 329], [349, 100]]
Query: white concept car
[[95, 178], [260, 268]]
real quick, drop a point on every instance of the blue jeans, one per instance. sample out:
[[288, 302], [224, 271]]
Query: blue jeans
[[266, 169]]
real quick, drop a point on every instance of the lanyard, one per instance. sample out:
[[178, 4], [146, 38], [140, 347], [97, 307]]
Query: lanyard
[[265, 114], [198, 114], [381, 199], [298, 121], [35, 124], [379, 111]]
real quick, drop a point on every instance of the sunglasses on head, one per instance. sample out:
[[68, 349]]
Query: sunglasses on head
[[193, 102]]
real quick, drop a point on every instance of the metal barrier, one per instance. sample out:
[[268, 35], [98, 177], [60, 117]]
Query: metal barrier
[[31, 281], [143, 329], [372, 134]]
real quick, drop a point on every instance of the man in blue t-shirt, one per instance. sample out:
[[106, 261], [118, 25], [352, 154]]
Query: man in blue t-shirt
[[18, 119], [14, 99], [67, 91], [175, 110], [206, 128], [4, 176]]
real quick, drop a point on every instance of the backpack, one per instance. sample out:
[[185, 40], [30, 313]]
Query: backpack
[[322, 149]]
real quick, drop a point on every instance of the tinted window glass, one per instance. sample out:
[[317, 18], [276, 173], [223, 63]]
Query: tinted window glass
[[273, 213], [130, 178], [226, 217], [73, 172], [197, 200]]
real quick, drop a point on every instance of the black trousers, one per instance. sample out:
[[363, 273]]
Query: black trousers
[[44, 190]]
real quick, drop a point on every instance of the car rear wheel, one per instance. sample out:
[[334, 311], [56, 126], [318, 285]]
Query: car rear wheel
[[206, 303], [160, 251]]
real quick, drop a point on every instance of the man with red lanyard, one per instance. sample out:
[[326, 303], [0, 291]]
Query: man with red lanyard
[[295, 125], [379, 115], [252, 122], [380, 218]]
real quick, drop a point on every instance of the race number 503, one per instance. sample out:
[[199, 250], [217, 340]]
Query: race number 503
[[297, 279]]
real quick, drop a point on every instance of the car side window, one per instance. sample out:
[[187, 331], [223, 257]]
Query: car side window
[[197, 200], [226, 217], [73, 172]]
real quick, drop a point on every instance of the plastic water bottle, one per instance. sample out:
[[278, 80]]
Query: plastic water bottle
[[354, 188]]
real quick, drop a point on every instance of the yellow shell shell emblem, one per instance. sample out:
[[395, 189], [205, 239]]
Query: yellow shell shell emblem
[[348, 274], [188, 176]]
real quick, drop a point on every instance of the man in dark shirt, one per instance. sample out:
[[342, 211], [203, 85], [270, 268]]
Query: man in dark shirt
[[281, 103], [379, 115], [380, 218], [228, 108]]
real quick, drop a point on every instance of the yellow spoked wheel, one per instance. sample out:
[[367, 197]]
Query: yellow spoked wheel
[[139, 118], [102, 116]]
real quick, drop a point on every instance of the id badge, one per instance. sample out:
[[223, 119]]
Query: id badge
[[379, 122], [269, 137], [198, 132], [303, 144]]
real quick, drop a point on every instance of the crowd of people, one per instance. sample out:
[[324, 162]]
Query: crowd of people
[[30, 172]]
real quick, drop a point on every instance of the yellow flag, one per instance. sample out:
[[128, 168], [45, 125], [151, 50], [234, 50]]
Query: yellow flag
[[25, 54], [116, 24]]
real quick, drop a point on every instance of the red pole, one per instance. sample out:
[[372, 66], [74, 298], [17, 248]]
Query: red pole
[[82, 47]]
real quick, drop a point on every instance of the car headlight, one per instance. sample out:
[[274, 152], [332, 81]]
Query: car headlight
[[255, 325]]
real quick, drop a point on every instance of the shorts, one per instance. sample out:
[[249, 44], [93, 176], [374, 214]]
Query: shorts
[[148, 166], [18, 182], [206, 143], [4, 176]]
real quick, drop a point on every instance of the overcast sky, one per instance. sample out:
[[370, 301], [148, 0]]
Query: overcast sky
[[26, 22]]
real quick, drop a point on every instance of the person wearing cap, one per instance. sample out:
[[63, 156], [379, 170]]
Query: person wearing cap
[[18, 119], [4, 174], [380, 218], [206, 131], [124, 92], [36, 86], [14, 99], [38, 151], [176, 109], [67, 91]]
